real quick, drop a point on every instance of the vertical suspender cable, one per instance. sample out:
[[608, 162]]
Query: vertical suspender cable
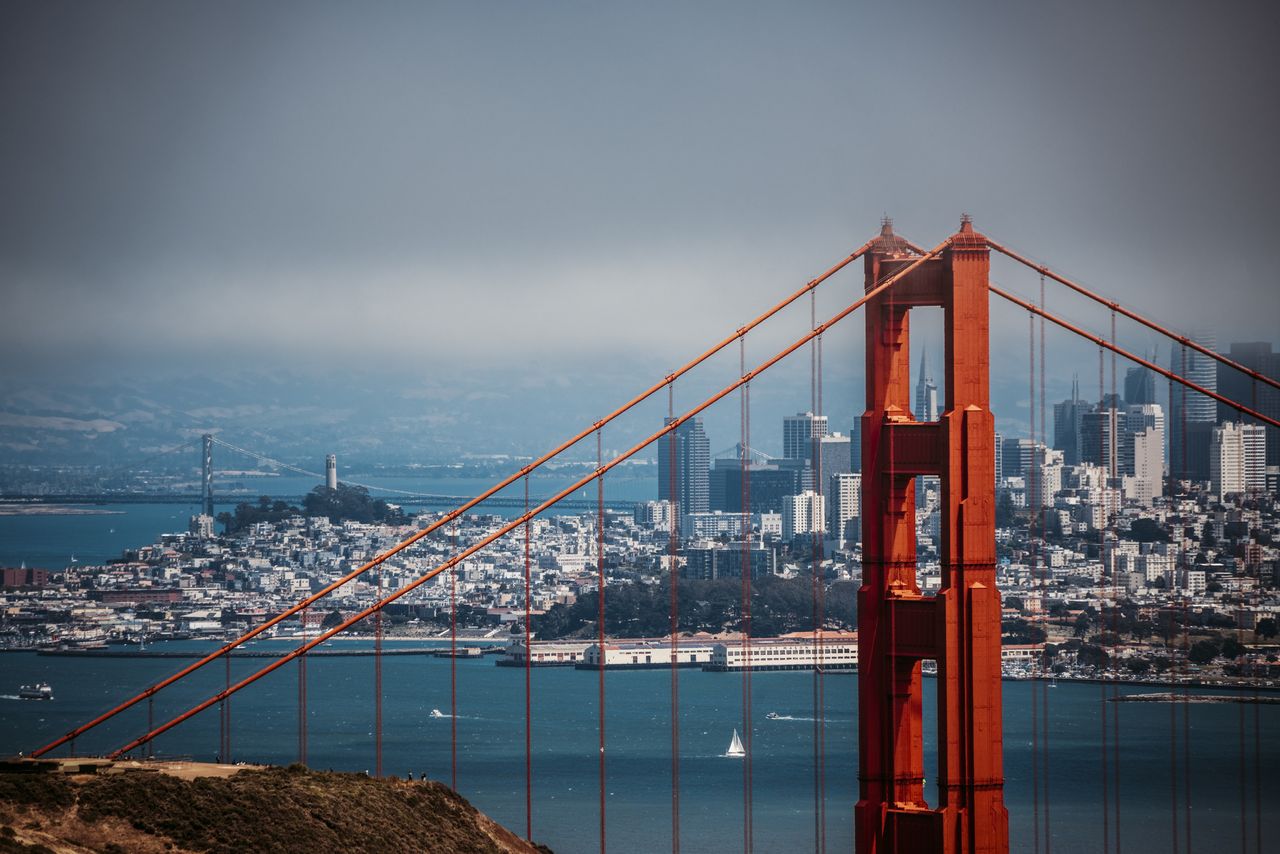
[[1032, 502], [600, 620], [226, 710], [377, 683], [745, 575], [1044, 566], [815, 450], [1173, 706], [1257, 736], [819, 615], [453, 664], [151, 723], [673, 581], [302, 697], [1045, 569], [1244, 800], [1102, 554], [528, 674], [1112, 420], [1186, 634]]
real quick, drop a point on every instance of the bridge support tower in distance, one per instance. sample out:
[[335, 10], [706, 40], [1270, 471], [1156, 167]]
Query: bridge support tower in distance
[[206, 480], [960, 627]]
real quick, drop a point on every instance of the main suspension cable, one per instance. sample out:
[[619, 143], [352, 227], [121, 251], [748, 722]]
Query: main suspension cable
[[455, 513], [1134, 316], [1136, 359], [484, 541]]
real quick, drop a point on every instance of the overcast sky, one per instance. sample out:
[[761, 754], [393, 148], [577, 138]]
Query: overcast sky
[[293, 183]]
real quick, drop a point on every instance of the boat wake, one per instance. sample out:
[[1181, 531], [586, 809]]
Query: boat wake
[[9, 697], [436, 714]]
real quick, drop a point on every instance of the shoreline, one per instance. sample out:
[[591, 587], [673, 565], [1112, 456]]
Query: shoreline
[[9, 509]]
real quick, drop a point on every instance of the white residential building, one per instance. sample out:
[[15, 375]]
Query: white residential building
[[803, 514], [1237, 459], [845, 506]]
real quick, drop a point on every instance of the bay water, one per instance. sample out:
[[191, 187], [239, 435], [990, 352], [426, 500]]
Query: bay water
[[1224, 768]]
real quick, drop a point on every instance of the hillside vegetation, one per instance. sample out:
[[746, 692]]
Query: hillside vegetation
[[275, 809]]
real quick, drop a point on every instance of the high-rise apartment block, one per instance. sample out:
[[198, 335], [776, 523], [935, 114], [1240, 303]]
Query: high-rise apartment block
[[1237, 459], [844, 508], [803, 514]]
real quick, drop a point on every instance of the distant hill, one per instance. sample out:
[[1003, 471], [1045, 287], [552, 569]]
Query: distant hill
[[272, 809]]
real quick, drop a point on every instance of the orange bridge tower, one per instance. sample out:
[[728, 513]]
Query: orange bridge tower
[[960, 627]]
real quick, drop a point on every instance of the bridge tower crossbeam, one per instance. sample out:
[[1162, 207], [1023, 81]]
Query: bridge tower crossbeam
[[898, 626]]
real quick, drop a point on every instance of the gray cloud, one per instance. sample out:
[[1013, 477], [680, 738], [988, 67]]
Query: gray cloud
[[454, 184]]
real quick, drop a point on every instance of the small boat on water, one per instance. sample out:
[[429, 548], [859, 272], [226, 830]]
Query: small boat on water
[[436, 713], [735, 746], [773, 716], [40, 691]]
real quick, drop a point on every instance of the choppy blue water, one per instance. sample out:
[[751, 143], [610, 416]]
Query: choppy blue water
[[638, 739], [50, 542]]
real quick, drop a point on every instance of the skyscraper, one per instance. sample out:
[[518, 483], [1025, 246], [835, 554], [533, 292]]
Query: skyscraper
[[1142, 447], [1191, 414], [835, 456], [1257, 356], [1066, 425], [844, 508], [1139, 385], [855, 447], [999, 457], [926, 392], [1100, 439], [798, 433], [692, 458]]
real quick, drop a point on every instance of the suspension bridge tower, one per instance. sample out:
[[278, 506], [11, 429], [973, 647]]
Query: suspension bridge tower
[[960, 627]]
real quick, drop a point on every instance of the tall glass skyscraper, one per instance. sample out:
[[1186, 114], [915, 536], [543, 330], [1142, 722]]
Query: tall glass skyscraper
[[1192, 415], [798, 433], [692, 455], [926, 392]]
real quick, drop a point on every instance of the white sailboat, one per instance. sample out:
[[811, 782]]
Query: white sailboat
[[735, 746]]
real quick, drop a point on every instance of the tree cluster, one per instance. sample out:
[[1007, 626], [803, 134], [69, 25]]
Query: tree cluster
[[349, 503], [346, 503], [778, 605]]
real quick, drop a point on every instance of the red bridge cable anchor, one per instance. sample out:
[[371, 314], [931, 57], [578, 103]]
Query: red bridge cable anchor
[[882, 287], [455, 513]]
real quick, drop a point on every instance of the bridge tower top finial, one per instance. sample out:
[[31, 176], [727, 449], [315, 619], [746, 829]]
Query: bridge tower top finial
[[886, 226], [966, 224]]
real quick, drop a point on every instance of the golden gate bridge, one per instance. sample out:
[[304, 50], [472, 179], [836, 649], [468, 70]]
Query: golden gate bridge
[[899, 626]]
